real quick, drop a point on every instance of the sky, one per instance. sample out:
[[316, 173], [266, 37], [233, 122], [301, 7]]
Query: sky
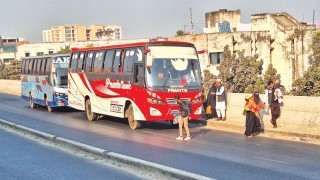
[[138, 18]]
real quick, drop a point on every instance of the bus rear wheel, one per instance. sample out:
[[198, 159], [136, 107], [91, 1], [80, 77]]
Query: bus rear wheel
[[90, 115], [50, 109], [32, 104], [134, 124]]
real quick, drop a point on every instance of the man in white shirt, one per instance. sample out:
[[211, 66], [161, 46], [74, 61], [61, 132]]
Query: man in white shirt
[[221, 101]]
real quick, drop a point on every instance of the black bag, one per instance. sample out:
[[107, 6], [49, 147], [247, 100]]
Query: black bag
[[186, 106]]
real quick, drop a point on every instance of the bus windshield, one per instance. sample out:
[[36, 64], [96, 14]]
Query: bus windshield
[[174, 67], [60, 71]]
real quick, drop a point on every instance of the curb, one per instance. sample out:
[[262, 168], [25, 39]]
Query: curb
[[212, 124], [138, 163]]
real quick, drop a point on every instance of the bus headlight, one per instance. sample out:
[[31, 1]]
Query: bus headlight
[[154, 101]]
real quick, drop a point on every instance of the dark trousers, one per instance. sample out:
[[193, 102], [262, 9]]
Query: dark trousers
[[275, 112]]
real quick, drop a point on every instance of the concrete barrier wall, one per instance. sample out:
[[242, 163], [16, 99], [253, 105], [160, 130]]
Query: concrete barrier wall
[[298, 114], [10, 87]]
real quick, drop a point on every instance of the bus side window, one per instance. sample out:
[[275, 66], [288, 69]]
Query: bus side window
[[89, 61], [43, 67], [128, 61], [80, 63], [98, 62], [73, 62], [39, 66], [138, 74], [23, 66], [116, 62], [108, 61], [30, 66], [35, 67]]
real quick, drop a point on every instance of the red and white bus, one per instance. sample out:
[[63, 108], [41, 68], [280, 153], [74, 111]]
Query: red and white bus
[[136, 81]]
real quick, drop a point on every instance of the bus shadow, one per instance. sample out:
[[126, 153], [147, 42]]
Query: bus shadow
[[158, 125]]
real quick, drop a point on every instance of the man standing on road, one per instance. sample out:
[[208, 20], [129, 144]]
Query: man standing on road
[[185, 117], [221, 101], [271, 97]]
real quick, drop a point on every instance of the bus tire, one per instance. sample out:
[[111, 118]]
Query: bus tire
[[90, 115], [32, 104], [134, 124], [50, 109]]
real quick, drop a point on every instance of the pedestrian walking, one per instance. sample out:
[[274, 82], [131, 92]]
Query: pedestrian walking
[[271, 97], [221, 101], [211, 102], [184, 113]]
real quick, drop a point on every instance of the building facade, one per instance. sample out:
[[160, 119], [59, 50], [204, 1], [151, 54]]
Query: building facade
[[8, 48], [274, 38], [73, 33]]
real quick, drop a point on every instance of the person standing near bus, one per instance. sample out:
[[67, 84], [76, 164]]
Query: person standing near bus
[[221, 101], [184, 112]]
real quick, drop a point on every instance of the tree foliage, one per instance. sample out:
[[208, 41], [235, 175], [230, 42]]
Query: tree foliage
[[10, 71], [65, 50], [180, 32], [2, 70], [309, 83], [13, 70], [240, 73]]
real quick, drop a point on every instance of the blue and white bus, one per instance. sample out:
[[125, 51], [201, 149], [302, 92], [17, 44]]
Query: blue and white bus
[[44, 80]]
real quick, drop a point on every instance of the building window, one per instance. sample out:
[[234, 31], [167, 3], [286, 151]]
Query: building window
[[50, 52], [215, 57], [40, 53], [27, 54]]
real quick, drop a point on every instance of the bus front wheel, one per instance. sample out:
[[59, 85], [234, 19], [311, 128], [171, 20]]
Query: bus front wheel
[[90, 115], [134, 124]]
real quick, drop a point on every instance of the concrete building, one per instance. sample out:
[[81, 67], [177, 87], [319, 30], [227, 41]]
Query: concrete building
[[8, 48], [110, 32], [223, 20], [274, 38], [73, 33]]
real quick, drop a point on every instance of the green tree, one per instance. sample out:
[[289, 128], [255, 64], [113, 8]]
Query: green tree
[[2, 70], [309, 83], [13, 70], [65, 50], [89, 45], [180, 33], [240, 73]]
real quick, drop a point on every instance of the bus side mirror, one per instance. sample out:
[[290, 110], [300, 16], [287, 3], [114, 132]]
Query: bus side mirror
[[147, 52], [202, 51]]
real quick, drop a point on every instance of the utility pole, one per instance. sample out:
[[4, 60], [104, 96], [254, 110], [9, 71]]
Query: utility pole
[[313, 18], [191, 20]]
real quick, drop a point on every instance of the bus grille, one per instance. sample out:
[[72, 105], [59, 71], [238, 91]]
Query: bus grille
[[172, 101]]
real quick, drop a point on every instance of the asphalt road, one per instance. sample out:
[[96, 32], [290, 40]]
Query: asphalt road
[[23, 158], [212, 153]]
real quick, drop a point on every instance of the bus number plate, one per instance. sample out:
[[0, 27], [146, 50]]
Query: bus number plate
[[116, 108]]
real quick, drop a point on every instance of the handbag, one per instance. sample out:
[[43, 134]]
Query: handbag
[[176, 119], [208, 110]]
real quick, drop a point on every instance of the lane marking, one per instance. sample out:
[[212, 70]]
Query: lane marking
[[270, 160]]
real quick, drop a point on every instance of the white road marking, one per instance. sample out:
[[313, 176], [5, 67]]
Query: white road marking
[[271, 160]]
